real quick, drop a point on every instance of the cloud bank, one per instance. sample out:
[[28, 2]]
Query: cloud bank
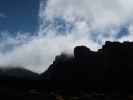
[[65, 24]]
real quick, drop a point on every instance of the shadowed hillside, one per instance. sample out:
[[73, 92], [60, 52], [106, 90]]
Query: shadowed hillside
[[17, 74]]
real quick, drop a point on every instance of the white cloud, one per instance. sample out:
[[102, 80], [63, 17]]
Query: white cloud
[[93, 21]]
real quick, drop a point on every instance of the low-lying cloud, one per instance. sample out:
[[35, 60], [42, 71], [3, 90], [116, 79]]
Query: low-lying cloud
[[65, 24]]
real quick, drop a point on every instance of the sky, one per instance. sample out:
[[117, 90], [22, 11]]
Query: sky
[[19, 15], [33, 32]]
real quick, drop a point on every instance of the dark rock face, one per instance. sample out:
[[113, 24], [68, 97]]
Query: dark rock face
[[118, 61], [85, 65], [111, 63]]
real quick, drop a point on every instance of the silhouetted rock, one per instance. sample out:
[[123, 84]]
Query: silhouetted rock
[[111, 63], [82, 52], [85, 65]]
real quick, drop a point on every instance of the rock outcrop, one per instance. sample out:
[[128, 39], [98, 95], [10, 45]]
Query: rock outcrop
[[113, 62]]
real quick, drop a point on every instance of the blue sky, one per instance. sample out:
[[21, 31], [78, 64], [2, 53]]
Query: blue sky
[[19, 15], [22, 16]]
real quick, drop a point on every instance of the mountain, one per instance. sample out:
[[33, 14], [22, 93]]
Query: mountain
[[108, 68], [102, 72], [17, 74], [112, 62]]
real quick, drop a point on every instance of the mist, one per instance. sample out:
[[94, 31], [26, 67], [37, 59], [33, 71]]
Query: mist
[[65, 24]]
